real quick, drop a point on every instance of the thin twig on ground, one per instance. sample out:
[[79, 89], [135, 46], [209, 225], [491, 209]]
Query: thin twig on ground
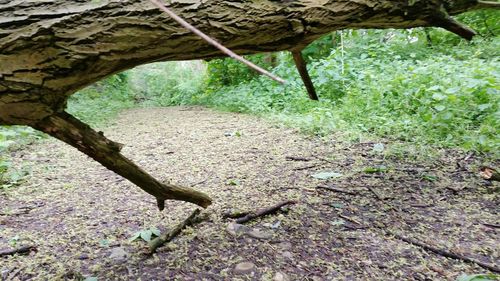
[[306, 167], [264, 212], [162, 239], [492, 225], [335, 189], [234, 214], [350, 219], [326, 160], [296, 158], [20, 250], [379, 197], [445, 253], [200, 182]]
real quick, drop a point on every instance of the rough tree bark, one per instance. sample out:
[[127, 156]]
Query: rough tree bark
[[49, 49]]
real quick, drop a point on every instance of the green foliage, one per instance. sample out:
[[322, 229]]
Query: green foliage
[[11, 138], [387, 83], [223, 72], [146, 234], [164, 84], [478, 277], [101, 101]]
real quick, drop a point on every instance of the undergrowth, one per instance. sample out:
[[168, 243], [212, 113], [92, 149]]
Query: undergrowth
[[424, 86], [393, 87]]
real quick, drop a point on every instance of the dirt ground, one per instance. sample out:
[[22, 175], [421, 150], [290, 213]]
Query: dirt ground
[[80, 216]]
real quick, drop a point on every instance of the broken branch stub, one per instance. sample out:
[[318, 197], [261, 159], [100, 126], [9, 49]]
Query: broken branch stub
[[72, 131], [301, 65]]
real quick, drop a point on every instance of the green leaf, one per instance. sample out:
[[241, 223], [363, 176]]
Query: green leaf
[[135, 236], [377, 169], [429, 177], [378, 147], [90, 278], [337, 222], [104, 242], [146, 235], [478, 277], [438, 96], [453, 90], [434, 88], [484, 106], [337, 205], [327, 175], [233, 182], [440, 107], [155, 231]]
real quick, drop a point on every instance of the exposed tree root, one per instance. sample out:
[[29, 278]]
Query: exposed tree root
[[445, 253], [160, 241], [72, 131], [263, 212]]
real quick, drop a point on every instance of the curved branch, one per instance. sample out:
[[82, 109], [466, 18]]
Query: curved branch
[[487, 5]]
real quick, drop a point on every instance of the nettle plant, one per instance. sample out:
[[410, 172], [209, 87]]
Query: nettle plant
[[10, 137]]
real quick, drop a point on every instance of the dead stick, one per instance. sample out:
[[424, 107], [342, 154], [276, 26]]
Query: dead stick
[[301, 65], [215, 43], [350, 219], [492, 225], [234, 215], [306, 167], [296, 158], [162, 239], [334, 189], [264, 212], [379, 197], [20, 250], [445, 253]]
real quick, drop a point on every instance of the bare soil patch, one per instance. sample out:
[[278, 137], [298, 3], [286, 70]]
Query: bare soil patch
[[76, 213]]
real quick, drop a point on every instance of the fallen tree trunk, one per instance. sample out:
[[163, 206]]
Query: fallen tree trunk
[[49, 49]]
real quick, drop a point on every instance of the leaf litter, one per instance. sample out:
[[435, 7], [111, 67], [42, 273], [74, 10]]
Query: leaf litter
[[78, 204]]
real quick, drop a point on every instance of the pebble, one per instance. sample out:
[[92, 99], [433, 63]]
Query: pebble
[[285, 245], [280, 276], [83, 257], [236, 229], [259, 234], [244, 268], [118, 254], [287, 254]]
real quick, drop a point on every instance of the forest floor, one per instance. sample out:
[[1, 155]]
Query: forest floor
[[79, 216]]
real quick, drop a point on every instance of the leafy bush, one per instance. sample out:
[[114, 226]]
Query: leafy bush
[[101, 101], [11, 138], [387, 83], [164, 84]]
